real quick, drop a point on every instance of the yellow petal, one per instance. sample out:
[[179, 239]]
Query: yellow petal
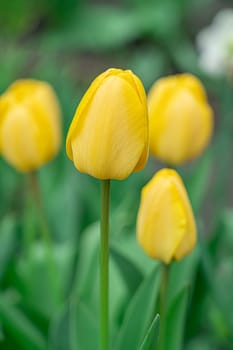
[[181, 120], [30, 124], [82, 105], [193, 84], [165, 224], [108, 137], [189, 239], [19, 146]]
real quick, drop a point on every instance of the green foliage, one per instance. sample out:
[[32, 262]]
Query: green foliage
[[152, 333], [129, 272], [176, 321], [74, 328], [7, 243], [138, 314], [67, 43], [20, 327]]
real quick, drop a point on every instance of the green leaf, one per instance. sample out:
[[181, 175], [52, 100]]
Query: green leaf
[[175, 321], [59, 330], [19, 327], [33, 274], [87, 278], [7, 242], [198, 179], [129, 247], [87, 32], [87, 262], [73, 327], [182, 274], [1, 333], [216, 290], [151, 334], [130, 273], [83, 328], [139, 313]]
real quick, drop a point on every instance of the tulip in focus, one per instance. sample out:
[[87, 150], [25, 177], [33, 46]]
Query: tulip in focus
[[30, 125], [108, 137], [165, 225], [180, 118]]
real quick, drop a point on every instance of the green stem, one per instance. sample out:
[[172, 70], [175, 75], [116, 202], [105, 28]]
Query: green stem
[[162, 306], [28, 229], [40, 210], [104, 256], [47, 239]]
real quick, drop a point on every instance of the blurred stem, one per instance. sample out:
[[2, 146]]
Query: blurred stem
[[104, 257], [162, 306], [46, 237], [28, 229]]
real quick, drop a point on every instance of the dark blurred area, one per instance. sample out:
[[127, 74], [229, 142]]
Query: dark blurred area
[[75, 40], [82, 38]]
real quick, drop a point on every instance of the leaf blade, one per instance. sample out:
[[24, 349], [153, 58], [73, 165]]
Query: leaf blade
[[130, 273], [139, 315], [151, 334], [20, 327]]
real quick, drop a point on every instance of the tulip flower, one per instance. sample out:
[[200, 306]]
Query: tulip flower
[[165, 225], [30, 126], [180, 119], [108, 137]]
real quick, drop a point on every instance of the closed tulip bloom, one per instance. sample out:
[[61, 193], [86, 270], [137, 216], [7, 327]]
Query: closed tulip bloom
[[108, 137], [165, 225], [181, 120], [30, 125]]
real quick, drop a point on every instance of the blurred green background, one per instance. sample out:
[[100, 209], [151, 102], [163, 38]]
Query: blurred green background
[[68, 43]]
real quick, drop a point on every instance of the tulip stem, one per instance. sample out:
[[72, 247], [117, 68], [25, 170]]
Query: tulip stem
[[162, 305], [45, 233], [104, 257], [28, 229]]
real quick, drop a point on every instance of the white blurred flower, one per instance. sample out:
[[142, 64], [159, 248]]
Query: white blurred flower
[[215, 44]]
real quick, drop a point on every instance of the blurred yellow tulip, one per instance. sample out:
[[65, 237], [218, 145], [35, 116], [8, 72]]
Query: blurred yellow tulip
[[180, 119], [108, 137], [165, 225], [30, 125]]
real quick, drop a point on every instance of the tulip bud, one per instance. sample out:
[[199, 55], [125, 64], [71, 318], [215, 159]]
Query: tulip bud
[[180, 118], [108, 137], [30, 130], [165, 225]]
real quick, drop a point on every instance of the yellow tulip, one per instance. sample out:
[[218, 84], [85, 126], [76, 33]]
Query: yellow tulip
[[30, 125], [108, 137], [180, 119], [165, 225]]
